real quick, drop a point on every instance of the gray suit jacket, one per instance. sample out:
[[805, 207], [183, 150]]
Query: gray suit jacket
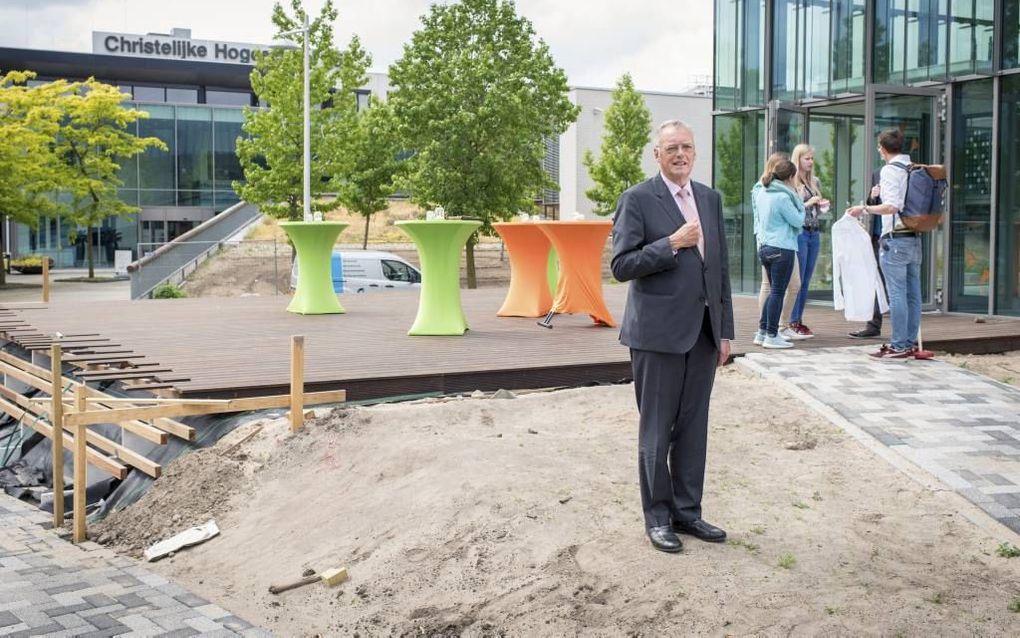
[[668, 293]]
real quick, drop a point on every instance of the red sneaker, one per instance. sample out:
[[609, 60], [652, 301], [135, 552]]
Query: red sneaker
[[921, 354], [888, 353], [802, 330]]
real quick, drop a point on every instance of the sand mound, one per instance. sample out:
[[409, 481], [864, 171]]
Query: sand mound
[[521, 517]]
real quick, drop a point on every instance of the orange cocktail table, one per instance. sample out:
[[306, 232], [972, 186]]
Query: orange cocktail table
[[579, 246], [529, 248]]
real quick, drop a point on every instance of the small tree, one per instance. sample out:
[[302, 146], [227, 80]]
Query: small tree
[[627, 131], [272, 154], [476, 94], [29, 121], [94, 134], [364, 188]]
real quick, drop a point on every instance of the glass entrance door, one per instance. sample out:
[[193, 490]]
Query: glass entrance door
[[918, 113]]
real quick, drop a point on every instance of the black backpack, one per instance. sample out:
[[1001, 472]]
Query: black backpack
[[924, 198]]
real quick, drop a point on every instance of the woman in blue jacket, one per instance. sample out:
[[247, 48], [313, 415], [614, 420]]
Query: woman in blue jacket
[[780, 218]]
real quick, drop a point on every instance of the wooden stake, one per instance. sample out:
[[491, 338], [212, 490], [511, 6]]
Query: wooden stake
[[297, 382], [80, 463], [57, 440], [45, 279]]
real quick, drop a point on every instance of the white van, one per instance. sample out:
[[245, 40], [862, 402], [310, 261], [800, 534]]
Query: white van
[[367, 271]]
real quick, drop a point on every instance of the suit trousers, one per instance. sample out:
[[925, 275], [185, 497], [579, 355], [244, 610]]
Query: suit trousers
[[673, 393]]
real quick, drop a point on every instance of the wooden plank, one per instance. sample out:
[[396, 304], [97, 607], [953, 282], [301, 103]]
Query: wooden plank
[[80, 451], [100, 358], [176, 428], [57, 442], [148, 386], [297, 382], [39, 410], [233, 405], [46, 279], [114, 375]]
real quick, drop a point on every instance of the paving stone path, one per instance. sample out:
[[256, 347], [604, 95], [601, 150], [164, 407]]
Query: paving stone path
[[50, 587], [960, 426]]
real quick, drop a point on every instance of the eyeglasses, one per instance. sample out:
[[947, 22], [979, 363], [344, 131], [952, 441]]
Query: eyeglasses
[[673, 149]]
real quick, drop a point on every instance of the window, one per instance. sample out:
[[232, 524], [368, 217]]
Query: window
[[399, 271], [969, 257], [150, 94], [182, 96], [227, 98], [739, 53]]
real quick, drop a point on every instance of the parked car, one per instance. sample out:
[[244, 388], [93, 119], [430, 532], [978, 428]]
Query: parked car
[[367, 271]]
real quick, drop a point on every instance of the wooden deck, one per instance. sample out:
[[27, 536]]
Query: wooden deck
[[235, 347]]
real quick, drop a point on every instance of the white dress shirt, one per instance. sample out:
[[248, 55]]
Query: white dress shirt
[[855, 277], [893, 189]]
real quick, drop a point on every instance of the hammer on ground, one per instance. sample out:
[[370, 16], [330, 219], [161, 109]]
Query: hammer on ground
[[331, 577]]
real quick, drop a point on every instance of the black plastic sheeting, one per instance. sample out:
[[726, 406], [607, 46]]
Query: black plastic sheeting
[[26, 460]]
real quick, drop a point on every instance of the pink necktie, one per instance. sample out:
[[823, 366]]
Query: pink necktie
[[690, 212]]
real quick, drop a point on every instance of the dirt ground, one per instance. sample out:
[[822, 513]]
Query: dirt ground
[[1004, 367], [521, 517]]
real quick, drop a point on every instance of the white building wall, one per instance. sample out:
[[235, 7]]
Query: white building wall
[[586, 134]]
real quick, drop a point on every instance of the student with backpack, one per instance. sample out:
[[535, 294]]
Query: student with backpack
[[911, 204]]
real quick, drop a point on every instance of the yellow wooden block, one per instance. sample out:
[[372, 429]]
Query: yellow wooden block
[[333, 577]]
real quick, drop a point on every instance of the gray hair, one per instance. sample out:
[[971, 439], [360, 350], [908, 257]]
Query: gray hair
[[670, 124]]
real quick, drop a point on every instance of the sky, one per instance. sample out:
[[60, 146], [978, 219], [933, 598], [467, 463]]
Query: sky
[[666, 45]]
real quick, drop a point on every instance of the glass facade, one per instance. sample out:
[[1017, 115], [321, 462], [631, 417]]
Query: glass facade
[[739, 54], [971, 182], [1007, 226], [818, 49], [739, 158], [932, 40], [197, 170], [834, 73]]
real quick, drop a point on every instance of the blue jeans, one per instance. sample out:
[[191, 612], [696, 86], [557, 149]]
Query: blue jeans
[[809, 242], [778, 264], [900, 258]]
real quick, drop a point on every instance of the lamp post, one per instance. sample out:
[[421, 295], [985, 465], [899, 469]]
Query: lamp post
[[307, 168]]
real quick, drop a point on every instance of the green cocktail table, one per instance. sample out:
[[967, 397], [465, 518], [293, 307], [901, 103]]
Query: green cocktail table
[[439, 243], [313, 242]]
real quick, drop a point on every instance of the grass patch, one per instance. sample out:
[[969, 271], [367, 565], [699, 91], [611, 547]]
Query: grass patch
[[1007, 550], [1014, 605], [801, 505], [758, 529], [832, 611], [751, 547], [816, 496], [937, 599], [787, 561]]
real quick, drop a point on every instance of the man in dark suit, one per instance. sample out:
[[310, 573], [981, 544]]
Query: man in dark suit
[[668, 241]]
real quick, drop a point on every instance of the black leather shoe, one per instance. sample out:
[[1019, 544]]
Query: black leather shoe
[[664, 540], [866, 333], [701, 530]]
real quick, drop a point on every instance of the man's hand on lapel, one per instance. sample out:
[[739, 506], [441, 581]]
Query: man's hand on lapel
[[686, 236]]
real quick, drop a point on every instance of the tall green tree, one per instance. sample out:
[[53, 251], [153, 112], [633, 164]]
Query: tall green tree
[[272, 152], [628, 126], [29, 121], [476, 93], [95, 134], [375, 147]]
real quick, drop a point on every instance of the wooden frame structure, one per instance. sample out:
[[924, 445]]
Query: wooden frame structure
[[72, 406]]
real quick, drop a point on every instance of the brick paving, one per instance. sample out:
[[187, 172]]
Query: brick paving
[[961, 427], [50, 587]]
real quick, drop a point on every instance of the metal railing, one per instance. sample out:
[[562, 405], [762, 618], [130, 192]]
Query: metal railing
[[228, 268], [169, 262]]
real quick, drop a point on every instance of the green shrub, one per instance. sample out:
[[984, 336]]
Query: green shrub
[[30, 264], [168, 291]]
